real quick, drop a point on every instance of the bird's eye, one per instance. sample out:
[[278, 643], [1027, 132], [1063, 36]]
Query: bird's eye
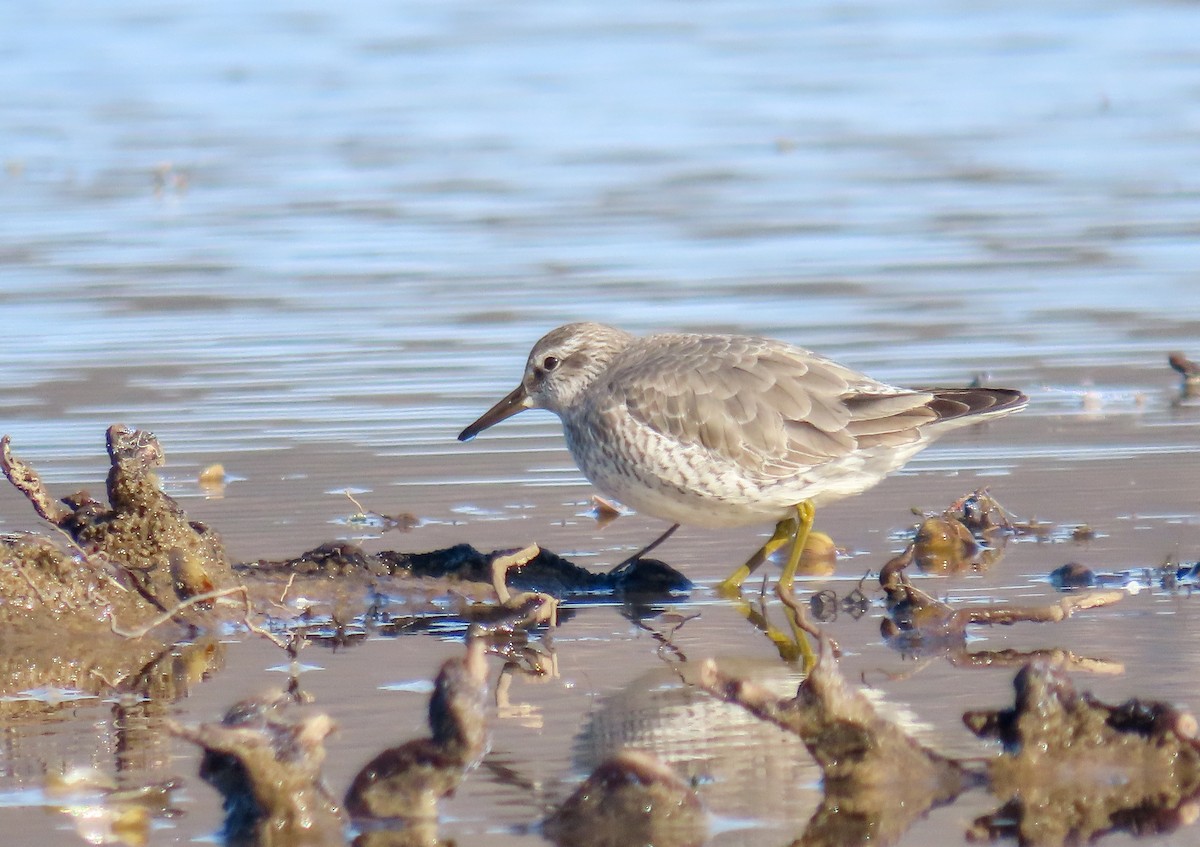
[[550, 363]]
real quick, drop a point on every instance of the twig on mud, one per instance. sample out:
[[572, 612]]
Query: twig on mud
[[171, 613], [286, 589], [1052, 613], [403, 522], [265, 633], [534, 606], [362, 513], [73, 543]]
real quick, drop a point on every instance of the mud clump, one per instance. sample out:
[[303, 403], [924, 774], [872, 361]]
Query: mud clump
[[175, 558], [139, 562], [88, 612], [546, 572], [42, 580], [969, 536], [141, 544]]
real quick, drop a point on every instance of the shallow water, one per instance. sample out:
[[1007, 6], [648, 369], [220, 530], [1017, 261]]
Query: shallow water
[[311, 243]]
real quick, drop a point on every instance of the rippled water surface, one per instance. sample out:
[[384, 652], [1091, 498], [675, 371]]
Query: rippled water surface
[[313, 241]]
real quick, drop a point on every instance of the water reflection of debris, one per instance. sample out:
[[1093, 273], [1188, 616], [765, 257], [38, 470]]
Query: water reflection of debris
[[265, 755], [630, 799], [1072, 768], [406, 782], [877, 779], [105, 812]]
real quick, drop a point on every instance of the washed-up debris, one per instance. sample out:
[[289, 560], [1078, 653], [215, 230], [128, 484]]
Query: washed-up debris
[[139, 563], [969, 536], [136, 570], [1072, 576], [630, 799], [212, 481], [1169, 576], [546, 572], [604, 511], [142, 543], [919, 623], [522, 610]]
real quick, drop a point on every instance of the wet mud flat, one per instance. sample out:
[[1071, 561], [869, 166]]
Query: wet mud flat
[[131, 604]]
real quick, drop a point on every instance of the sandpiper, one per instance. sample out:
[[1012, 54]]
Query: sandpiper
[[729, 430]]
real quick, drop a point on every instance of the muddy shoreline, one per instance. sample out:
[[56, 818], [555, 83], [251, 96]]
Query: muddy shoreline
[[136, 592]]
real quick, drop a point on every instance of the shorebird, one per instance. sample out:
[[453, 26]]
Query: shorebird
[[730, 430]]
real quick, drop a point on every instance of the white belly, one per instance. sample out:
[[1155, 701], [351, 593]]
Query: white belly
[[684, 484]]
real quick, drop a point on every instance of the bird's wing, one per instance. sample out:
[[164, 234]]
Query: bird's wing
[[760, 404]]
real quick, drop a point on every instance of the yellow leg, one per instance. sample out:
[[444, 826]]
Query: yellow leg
[[804, 522], [794, 529], [797, 529], [785, 531]]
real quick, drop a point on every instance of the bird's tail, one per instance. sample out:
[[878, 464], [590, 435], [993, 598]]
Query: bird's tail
[[960, 404]]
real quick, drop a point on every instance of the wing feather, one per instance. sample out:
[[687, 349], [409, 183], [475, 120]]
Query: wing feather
[[757, 403], [770, 408]]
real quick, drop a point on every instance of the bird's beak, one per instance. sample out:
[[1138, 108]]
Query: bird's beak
[[516, 401]]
